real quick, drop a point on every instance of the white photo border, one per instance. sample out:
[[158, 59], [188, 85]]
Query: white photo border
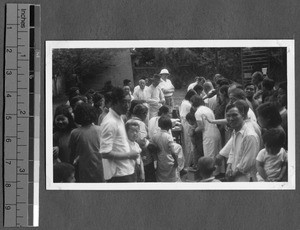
[[287, 43]]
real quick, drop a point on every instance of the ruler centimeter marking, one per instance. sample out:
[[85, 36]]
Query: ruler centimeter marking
[[22, 115]]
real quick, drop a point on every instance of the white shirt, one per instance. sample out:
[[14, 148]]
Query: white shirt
[[210, 130], [153, 127], [272, 163], [244, 149], [167, 85], [227, 148], [191, 86], [135, 147], [154, 94], [185, 108], [251, 115], [139, 94], [113, 138], [211, 102]]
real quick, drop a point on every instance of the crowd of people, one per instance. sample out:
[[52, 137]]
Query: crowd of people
[[229, 132]]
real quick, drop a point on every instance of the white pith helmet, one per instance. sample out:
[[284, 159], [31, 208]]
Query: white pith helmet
[[164, 71]]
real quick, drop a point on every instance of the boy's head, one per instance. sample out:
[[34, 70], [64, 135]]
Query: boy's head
[[190, 117], [274, 140], [84, 114], [196, 101], [63, 173], [206, 167], [132, 129], [164, 123], [163, 111], [268, 84], [153, 148]]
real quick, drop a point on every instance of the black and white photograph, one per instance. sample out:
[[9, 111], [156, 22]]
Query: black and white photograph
[[201, 114]]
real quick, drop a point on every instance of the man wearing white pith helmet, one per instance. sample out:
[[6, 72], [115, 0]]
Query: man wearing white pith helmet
[[167, 88]]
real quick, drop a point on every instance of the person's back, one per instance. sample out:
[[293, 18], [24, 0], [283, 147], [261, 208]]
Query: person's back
[[166, 158], [85, 143], [165, 172], [209, 129]]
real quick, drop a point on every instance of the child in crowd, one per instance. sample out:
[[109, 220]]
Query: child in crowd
[[85, 145], [63, 125], [196, 139], [167, 164], [205, 169], [132, 129], [271, 162], [63, 173]]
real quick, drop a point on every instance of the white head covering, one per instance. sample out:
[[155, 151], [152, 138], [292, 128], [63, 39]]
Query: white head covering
[[164, 71]]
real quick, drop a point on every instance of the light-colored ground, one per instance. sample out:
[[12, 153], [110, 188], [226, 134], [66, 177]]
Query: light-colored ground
[[179, 95]]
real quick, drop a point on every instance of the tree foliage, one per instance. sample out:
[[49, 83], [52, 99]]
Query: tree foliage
[[186, 63], [84, 63]]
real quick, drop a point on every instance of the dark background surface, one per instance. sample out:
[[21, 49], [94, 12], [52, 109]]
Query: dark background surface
[[157, 19]]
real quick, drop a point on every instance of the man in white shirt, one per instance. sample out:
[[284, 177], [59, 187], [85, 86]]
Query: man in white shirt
[[118, 160], [245, 144], [139, 91], [167, 88], [154, 97]]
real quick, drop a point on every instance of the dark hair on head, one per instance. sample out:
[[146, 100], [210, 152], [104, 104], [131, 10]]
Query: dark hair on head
[[218, 76], [207, 86], [258, 76], [224, 90], [64, 110], [89, 96], [73, 92], [107, 97], [97, 97], [241, 105], [117, 95], [202, 79], [163, 110], [198, 88], [131, 123], [206, 166], [133, 104], [189, 94], [269, 112], [238, 93], [91, 91], [164, 123], [190, 117], [153, 148], [222, 81], [197, 101], [283, 86], [139, 110], [126, 82], [75, 99], [268, 83], [62, 171], [85, 114], [247, 84], [274, 138]]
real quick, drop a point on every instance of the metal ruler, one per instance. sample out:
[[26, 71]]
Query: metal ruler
[[22, 115]]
